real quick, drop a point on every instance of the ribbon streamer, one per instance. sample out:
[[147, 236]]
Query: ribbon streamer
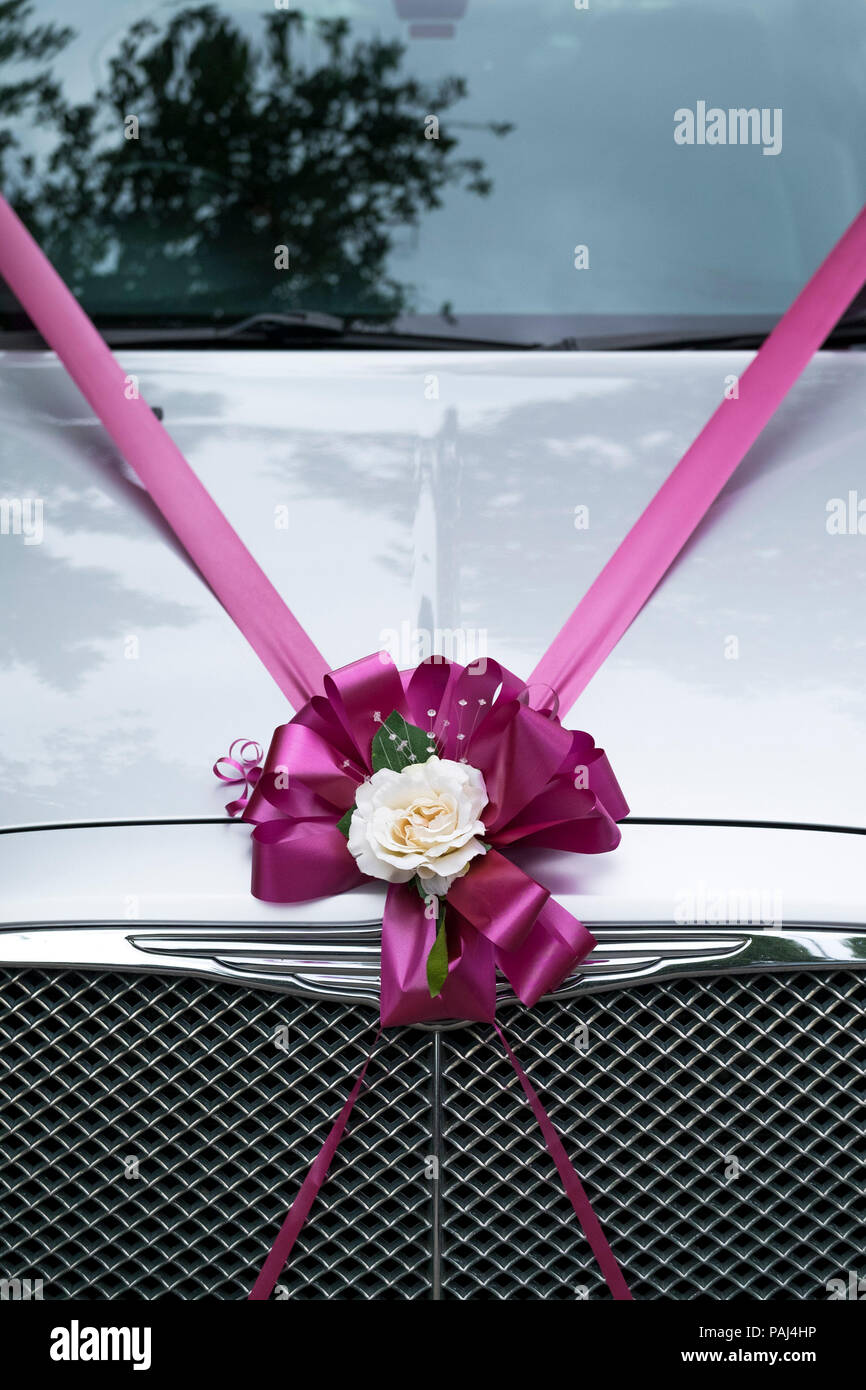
[[211, 542], [310, 1189], [312, 1185], [611, 603], [628, 579], [589, 1222]]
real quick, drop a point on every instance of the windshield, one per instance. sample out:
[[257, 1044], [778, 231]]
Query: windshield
[[531, 167]]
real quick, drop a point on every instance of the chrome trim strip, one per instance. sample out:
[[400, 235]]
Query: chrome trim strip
[[342, 962]]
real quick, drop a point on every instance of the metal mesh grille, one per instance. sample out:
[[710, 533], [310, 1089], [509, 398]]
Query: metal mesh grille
[[186, 1076], [677, 1079]]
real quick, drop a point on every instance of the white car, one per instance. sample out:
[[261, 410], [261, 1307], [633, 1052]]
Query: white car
[[435, 451]]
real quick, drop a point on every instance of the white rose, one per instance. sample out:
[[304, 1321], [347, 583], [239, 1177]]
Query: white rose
[[422, 820]]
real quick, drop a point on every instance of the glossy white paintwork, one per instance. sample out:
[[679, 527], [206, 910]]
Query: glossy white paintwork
[[660, 873], [435, 491]]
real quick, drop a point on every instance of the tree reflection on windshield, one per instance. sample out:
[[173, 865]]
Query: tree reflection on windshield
[[218, 172]]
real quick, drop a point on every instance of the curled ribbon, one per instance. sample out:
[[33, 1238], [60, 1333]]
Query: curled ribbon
[[245, 771]]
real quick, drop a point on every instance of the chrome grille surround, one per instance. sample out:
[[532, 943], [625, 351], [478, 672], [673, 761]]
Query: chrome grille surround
[[342, 962], [186, 1075]]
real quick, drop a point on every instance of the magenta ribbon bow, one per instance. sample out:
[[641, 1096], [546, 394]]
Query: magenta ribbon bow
[[548, 787]]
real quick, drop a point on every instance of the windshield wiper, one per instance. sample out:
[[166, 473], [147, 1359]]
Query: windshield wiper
[[848, 332], [256, 326], [300, 329], [311, 329]]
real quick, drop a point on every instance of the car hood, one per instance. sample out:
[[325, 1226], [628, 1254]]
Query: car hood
[[463, 501]]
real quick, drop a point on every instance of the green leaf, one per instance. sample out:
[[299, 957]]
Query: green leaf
[[437, 961], [398, 744], [344, 822]]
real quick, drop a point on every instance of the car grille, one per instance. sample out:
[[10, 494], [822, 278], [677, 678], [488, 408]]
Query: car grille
[[224, 1095]]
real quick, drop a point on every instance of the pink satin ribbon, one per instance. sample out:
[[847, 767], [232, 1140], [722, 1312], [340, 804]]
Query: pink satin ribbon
[[610, 604], [619, 593], [215, 547]]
